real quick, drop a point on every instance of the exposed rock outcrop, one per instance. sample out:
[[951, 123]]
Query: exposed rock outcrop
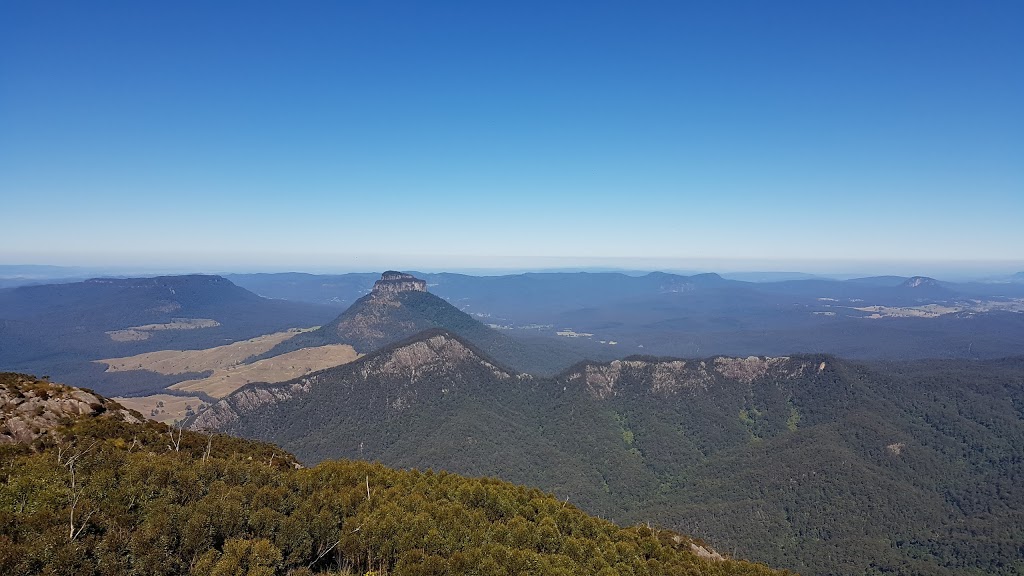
[[921, 282], [670, 376], [30, 408], [392, 282], [440, 352], [706, 553], [748, 369], [663, 376], [225, 412]]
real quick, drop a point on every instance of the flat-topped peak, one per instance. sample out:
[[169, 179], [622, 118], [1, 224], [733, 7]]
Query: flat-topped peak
[[392, 282]]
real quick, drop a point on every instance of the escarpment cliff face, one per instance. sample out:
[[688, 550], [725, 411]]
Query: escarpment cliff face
[[224, 413], [669, 376], [392, 282]]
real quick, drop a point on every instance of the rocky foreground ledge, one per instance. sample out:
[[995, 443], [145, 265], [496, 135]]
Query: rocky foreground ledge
[[30, 407]]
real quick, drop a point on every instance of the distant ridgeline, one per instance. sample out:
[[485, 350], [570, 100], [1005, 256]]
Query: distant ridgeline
[[92, 490], [890, 317], [807, 462], [60, 329]]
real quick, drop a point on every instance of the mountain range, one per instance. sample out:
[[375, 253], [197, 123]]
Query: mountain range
[[810, 463], [668, 314], [59, 329], [735, 422], [399, 306]]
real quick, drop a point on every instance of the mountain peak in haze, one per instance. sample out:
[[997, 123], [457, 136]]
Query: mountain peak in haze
[[392, 282], [400, 307], [921, 282]]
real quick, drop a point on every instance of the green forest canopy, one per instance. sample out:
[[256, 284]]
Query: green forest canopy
[[96, 495]]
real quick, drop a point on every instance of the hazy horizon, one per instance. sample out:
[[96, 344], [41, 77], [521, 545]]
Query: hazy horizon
[[749, 269]]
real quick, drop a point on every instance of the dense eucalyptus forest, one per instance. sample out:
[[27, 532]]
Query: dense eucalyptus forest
[[97, 495]]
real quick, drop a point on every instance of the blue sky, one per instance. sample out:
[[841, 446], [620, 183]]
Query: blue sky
[[760, 135]]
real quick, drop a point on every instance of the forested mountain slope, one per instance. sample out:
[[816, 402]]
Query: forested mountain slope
[[98, 494], [811, 463]]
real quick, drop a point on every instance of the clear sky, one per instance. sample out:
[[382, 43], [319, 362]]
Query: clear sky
[[320, 134]]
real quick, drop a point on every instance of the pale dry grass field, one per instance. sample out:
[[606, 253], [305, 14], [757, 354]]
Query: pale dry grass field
[[224, 381], [162, 407], [181, 361], [926, 311], [936, 310]]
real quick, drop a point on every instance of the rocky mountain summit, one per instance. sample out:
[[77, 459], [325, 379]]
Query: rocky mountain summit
[[30, 407], [925, 289], [392, 282], [400, 307]]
